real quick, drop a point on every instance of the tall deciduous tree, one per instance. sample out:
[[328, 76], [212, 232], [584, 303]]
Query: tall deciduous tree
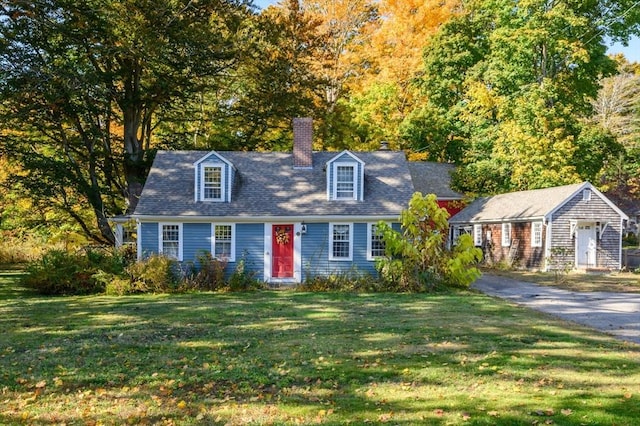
[[85, 82], [515, 80]]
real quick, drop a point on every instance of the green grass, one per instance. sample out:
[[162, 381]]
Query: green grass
[[302, 358], [616, 282]]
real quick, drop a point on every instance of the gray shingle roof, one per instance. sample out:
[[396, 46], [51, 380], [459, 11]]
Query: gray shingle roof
[[433, 178], [268, 185], [520, 205]]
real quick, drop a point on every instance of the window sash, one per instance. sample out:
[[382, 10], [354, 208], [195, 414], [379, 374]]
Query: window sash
[[212, 183], [477, 235], [170, 240], [376, 246], [341, 243], [506, 234], [536, 234], [223, 239], [345, 181]]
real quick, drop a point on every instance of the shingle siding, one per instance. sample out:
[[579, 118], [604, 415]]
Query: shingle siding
[[594, 210]]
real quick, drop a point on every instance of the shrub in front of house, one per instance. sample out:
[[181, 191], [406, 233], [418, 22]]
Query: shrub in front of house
[[418, 258], [349, 281], [59, 272]]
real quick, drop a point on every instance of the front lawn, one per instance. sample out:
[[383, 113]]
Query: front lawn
[[303, 358], [616, 282]]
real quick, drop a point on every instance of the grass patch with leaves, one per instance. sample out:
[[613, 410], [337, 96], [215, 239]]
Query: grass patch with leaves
[[616, 282], [282, 357]]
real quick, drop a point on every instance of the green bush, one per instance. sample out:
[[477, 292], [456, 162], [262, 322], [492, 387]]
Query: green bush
[[418, 258], [155, 274], [349, 281], [59, 272], [243, 280], [209, 276]]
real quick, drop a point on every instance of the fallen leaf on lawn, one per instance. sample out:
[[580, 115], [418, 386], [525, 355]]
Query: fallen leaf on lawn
[[41, 384], [493, 413], [182, 405], [438, 412], [566, 411], [628, 395], [466, 416], [385, 417]]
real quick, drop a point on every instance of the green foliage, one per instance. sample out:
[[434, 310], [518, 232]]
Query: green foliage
[[352, 281], [515, 84], [85, 83], [59, 272], [241, 279], [209, 275], [418, 258], [560, 262], [155, 274]]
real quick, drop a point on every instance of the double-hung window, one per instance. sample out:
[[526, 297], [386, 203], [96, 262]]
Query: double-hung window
[[171, 240], [506, 234], [212, 183], [345, 182], [375, 242], [340, 241], [223, 246], [536, 234], [477, 235]]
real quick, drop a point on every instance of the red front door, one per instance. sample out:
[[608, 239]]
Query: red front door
[[282, 249]]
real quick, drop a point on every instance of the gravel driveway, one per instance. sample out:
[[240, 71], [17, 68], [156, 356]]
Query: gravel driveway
[[614, 313]]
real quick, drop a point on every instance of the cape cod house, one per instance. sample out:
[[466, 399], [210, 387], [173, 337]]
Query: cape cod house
[[573, 225], [289, 216]]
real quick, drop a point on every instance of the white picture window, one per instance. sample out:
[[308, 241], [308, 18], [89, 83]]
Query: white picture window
[[506, 234], [340, 241], [375, 242], [223, 244], [344, 181], [477, 235], [536, 234], [171, 240], [212, 183]]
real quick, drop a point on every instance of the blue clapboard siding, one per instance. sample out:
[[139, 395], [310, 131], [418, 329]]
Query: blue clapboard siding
[[250, 247], [149, 239], [315, 252], [196, 241]]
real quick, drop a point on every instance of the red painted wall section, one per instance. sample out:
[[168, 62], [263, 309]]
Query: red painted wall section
[[452, 206]]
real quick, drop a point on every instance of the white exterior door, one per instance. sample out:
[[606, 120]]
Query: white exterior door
[[586, 245]]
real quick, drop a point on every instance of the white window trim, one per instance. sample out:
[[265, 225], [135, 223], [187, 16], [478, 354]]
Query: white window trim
[[506, 232], [232, 257], [586, 194], [535, 243], [180, 238], [223, 183], [334, 189], [477, 235], [345, 259], [370, 255]]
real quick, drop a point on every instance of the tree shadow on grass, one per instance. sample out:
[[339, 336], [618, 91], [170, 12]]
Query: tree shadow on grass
[[294, 357]]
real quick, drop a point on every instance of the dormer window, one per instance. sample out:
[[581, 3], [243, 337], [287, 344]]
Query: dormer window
[[345, 181], [212, 185], [213, 178], [345, 177]]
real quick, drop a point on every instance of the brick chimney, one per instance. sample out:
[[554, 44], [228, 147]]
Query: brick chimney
[[302, 142]]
